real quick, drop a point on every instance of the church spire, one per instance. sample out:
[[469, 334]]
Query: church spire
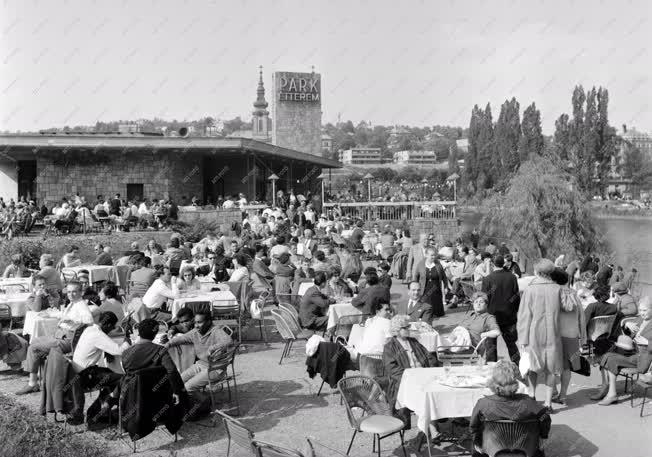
[[260, 104], [260, 118]]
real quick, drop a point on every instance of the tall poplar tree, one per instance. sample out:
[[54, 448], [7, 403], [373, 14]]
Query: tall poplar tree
[[471, 159], [507, 134], [531, 143], [486, 149]]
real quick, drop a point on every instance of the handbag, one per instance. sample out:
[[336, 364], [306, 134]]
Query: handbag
[[580, 365]]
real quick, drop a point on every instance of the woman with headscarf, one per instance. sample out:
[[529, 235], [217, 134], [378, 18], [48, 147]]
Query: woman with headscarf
[[400, 353], [539, 335]]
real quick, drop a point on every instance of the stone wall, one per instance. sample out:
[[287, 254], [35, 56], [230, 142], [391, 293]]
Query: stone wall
[[223, 217], [186, 176]]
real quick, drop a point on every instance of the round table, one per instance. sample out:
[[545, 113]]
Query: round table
[[40, 325], [220, 297], [17, 303]]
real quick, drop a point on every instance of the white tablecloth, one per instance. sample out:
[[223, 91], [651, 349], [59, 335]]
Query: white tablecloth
[[96, 273], [38, 326], [429, 340], [336, 310], [25, 282], [224, 297], [17, 303], [420, 392]]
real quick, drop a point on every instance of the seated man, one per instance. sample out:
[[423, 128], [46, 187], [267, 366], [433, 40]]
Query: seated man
[[314, 305], [103, 255], [53, 282], [624, 302], [110, 302], [145, 354], [505, 404], [416, 310], [183, 323], [206, 339], [75, 314], [156, 297], [480, 324], [371, 295], [40, 299]]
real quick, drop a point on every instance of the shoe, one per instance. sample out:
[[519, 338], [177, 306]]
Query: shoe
[[28, 390], [608, 400], [559, 400], [600, 394], [549, 409]]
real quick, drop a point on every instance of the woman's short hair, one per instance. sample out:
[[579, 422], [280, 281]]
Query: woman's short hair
[[504, 379], [319, 255], [482, 295], [559, 276], [186, 270], [543, 267], [241, 259], [397, 323], [284, 258], [110, 290], [148, 328]]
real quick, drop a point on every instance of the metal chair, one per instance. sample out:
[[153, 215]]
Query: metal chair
[[321, 450], [218, 365], [288, 333], [645, 386], [467, 355], [346, 323], [237, 432], [266, 449], [505, 437], [68, 275], [291, 309], [289, 316], [468, 287], [5, 315], [10, 288], [229, 314], [365, 393], [597, 327]]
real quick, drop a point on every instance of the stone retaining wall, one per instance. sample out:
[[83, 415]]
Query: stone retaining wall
[[444, 229], [223, 217]]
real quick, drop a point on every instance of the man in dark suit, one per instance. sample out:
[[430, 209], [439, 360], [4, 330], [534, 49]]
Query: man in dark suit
[[374, 293], [501, 287], [314, 305], [414, 308]]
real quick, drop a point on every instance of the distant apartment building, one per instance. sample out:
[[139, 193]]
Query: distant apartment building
[[641, 140], [462, 145], [415, 157], [360, 156]]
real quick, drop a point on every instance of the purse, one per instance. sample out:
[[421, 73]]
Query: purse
[[580, 365]]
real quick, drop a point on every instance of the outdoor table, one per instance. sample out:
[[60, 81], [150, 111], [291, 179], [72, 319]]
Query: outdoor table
[[207, 283], [26, 283], [40, 324], [226, 297], [421, 392], [430, 340], [17, 302], [96, 273], [337, 310]]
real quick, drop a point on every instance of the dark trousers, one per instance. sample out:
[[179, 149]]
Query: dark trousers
[[510, 336]]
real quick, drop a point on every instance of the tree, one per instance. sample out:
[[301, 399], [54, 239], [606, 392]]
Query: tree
[[485, 140], [576, 143], [506, 140], [561, 141], [543, 213], [608, 141], [471, 167], [453, 166], [636, 166], [531, 142]]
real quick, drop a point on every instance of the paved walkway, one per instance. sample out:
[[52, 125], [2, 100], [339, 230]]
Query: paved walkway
[[279, 404]]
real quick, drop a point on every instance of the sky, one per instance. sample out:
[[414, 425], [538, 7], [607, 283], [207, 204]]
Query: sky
[[417, 63]]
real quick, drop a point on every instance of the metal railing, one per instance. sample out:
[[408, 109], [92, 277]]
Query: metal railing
[[395, 211]]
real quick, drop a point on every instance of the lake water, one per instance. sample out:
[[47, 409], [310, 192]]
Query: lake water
[[629, 239]]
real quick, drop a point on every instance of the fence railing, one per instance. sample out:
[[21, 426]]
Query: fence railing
[[394, 211]]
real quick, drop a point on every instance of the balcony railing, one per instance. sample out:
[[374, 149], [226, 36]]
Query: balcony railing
[[394, 211]]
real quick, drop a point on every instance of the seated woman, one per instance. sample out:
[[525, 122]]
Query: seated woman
[[16, 269], [320, 263], [240, 270], [71, 258], [186, 281], [402, 352], [617, 358], [336, 286], [506, 404]]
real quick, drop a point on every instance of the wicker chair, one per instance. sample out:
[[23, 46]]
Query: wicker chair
[[218, 366], [68, 275], [291, 309], [365, 393], [289, 316], [645, 386], [237, 432], [509, 438], [345, 324], [5, 315], [289, 332], [468, 287]]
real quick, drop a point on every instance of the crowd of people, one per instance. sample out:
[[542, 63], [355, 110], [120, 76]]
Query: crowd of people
[[547, 322]]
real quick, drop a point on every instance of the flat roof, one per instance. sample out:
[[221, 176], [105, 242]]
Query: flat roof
[[153, 143]]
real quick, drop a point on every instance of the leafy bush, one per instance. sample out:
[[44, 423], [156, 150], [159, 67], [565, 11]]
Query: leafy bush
[[196, 231]]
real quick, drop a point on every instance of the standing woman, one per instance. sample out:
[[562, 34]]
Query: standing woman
[[432, 282], [538, 329]]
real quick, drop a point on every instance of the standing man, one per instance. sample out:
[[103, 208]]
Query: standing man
[[415, 256], [501, 287]]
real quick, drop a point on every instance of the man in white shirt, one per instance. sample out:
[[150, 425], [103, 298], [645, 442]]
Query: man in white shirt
[[158, 294], [484, 269], [279, 248], [228, 203], [242, 201], [75, 314]]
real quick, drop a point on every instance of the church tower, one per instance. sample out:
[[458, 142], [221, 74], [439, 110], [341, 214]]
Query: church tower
[[260, 119]]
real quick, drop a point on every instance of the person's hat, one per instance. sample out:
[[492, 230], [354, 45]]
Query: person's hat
[[625, 342], [620, 288]]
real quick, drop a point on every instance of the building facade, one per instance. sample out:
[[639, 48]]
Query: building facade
[[326, 145], [360, 156], [422, 158]]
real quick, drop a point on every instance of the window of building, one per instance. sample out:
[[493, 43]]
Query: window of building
[[135, 191]]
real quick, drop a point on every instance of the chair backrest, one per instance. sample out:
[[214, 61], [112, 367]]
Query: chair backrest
[[505, 437], [626, 320], [321, 450], [292, 321], [362, 392], [225, 309], [345, 324], [14, 288], [220, 360], [599, 326], [468, 288], [266, 449], [68, 274], [5, 312], [291, 309], [282, 326], [237, 432], [199, 306]]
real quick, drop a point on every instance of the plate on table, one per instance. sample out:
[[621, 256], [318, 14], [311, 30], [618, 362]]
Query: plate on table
[[463, 382]]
